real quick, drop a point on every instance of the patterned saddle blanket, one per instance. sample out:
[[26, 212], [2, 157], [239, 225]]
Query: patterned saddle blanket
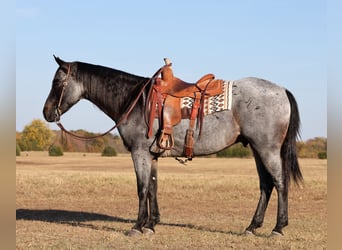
[[212, 104]]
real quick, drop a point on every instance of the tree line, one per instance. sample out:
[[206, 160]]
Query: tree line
[[312, 148], [37, 136]]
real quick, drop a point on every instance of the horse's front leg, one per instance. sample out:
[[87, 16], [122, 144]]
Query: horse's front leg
[[152, 198], [142, 164]]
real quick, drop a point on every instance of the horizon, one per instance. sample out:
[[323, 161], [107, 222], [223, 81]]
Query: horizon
[[116, 133]]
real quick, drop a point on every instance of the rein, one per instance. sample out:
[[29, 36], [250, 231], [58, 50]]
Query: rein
[[121, 120]]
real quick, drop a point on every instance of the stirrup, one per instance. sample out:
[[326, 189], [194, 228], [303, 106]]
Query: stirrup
[[165, 141]]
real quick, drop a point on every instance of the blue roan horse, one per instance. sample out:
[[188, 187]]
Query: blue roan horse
[[262, 114]]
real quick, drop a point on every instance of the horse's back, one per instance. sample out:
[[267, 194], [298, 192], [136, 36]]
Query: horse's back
[[259, 88]]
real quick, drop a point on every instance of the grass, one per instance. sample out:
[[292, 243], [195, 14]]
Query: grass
[[90, 202]]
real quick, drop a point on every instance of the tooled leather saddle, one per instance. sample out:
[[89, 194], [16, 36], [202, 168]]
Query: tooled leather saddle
[[164, 103]]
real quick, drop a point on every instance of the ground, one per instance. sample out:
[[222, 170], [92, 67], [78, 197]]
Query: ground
[[85, 201]]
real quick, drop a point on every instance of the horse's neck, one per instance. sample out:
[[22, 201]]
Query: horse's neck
[[112, 96]]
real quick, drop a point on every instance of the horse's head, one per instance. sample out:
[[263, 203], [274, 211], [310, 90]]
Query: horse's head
[[64, 93]]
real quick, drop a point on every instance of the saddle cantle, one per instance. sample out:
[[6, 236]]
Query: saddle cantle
[[164, 103]]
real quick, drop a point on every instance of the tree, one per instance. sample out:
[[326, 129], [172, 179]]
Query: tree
[[237, 150], [36, 136], [109, 151], [312, 148], [55, 150], [17, 150]]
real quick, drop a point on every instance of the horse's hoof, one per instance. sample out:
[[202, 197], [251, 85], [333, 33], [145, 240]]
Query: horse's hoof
[[249, 233], [148, 231], [277, 234], [134, 233]]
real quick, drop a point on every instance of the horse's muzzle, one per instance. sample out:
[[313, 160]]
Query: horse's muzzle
[[50, 114]]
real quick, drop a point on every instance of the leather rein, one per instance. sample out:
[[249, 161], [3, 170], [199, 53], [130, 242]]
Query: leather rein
[[124, 116]]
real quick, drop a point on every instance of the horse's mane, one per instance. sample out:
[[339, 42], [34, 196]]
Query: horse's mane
[[85, 71], [107, 82]]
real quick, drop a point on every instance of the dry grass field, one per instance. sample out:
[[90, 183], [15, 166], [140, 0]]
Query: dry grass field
[[89, 202]]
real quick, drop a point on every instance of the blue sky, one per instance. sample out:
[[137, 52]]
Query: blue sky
[[282, 41]]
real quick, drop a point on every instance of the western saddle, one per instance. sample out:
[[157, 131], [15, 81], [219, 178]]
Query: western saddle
[[164, 103]]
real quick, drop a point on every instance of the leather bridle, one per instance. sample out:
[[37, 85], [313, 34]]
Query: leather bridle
[[58, 111], [124, 116]]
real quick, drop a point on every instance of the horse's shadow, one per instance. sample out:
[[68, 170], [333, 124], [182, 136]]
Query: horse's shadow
[[72, 218], [84, 219]]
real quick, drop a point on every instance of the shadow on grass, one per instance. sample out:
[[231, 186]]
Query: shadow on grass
[[72, 218], [82, 219]]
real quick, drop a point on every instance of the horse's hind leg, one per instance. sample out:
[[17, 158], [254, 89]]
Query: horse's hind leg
[[272, 163], [266, 187], [154, 217]]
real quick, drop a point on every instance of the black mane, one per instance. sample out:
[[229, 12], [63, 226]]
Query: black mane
[[92, 70], [113, 87]]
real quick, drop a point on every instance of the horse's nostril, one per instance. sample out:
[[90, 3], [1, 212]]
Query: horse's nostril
[[48, 115]]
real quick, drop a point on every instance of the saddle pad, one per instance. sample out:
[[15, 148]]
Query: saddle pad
[[215, 103]]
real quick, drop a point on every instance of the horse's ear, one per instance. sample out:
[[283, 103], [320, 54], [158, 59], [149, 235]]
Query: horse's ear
[[62, 64], [59, 61]]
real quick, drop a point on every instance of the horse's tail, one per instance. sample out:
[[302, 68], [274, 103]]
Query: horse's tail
[[288, 149]]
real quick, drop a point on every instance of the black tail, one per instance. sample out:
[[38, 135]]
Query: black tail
[[288, 149]]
